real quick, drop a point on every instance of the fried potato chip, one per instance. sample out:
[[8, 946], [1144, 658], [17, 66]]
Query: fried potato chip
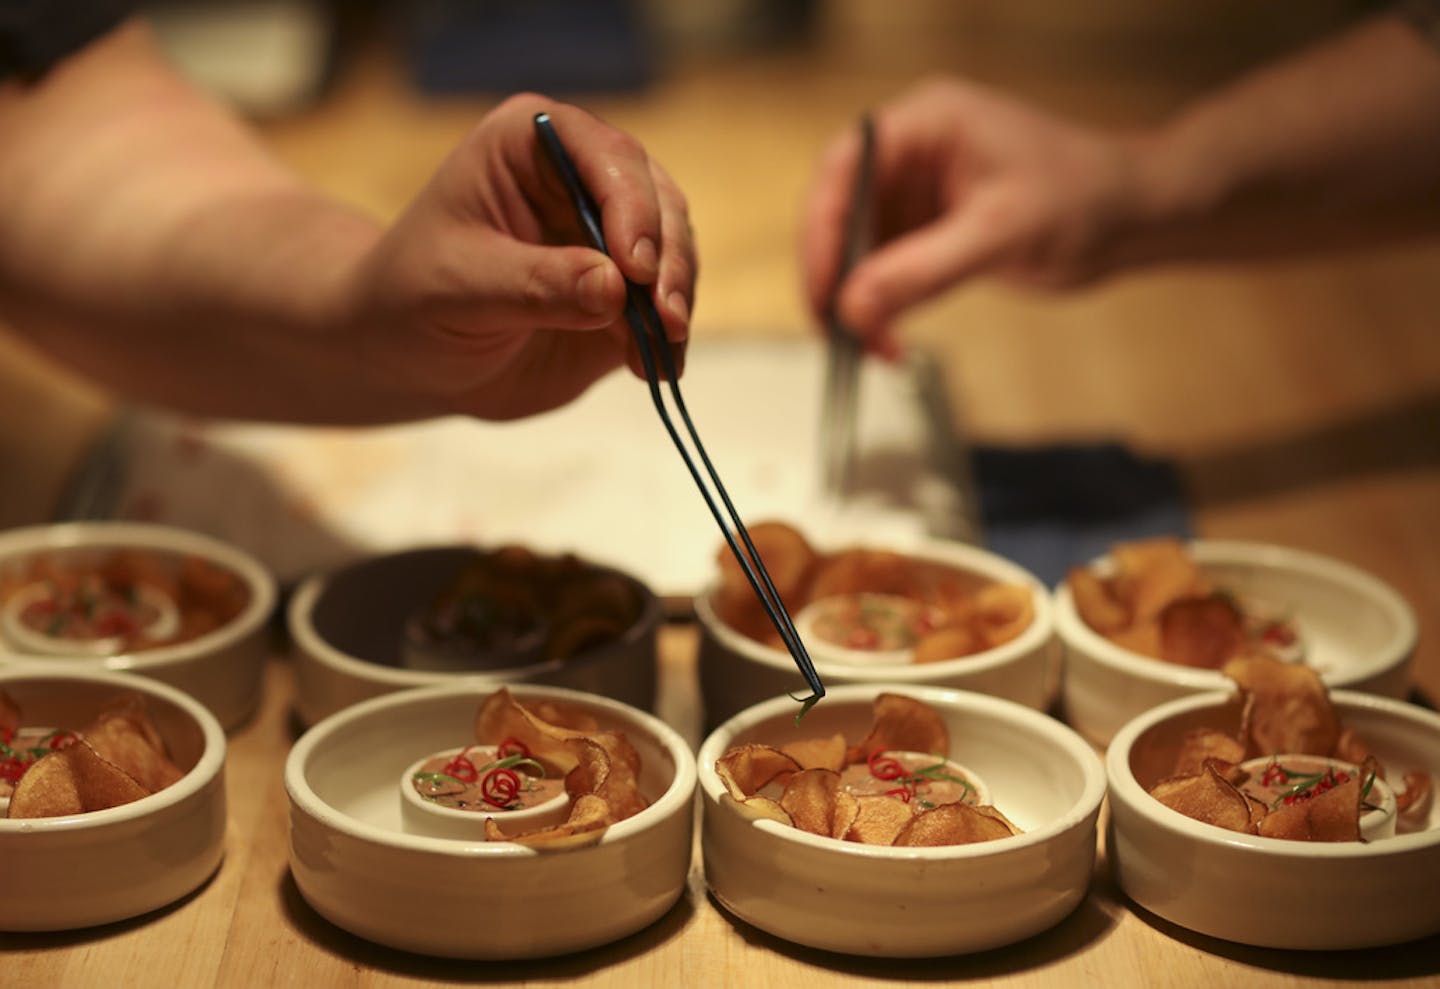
[[72, 780], [809, 799], [124, 735], [1287, 708], [1144, 639], [902, 724], [1207, 797], [878, 819], [1095, 602], [1150, 573], [1352, 748], [847, 810], [949, 642], [878, 571], [1200, 744], [786, 554], [746, 768], [589, 817], [1414, 800], [1202, 632], [1002, 612], [951, 824], [1332, 815], [818, 753]]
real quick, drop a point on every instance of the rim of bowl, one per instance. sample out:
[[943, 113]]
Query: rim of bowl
[[680, 791], [1021, 717], [300, 619], [206, 768], [1127, 790], [959, 555], [151, 536], [1074, 629]]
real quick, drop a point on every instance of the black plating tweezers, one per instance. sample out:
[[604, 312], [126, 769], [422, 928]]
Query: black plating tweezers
[[655, 357]]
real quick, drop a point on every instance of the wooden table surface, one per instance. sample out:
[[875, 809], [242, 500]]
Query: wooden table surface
[[1300, 400]]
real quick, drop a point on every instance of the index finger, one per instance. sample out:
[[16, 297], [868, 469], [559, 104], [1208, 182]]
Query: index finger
[[823, 228], [616, 172]]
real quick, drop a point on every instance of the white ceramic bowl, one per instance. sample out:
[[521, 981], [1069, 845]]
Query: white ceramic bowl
[[736, 671], [426, 817], [912, 902], [221, 668], [347, 630], [356, 866], [1273, 892], [60, 873], [1356, 630]]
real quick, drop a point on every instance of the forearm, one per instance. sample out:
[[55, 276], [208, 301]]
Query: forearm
[[172, 259], [1339, 145]]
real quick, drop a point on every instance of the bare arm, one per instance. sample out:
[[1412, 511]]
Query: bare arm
[[1340, 144], [149, 240]]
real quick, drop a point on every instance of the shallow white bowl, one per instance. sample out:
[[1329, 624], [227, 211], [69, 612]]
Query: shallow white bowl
[[221, 668], [736, 671], [1272, 892], [59, 873], [1357, 631], [474, 899], [347, 630], [912, 902]]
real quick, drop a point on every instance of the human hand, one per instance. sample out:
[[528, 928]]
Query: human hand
[[481, 298], [966, 183]]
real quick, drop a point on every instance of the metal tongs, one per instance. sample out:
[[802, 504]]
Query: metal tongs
[[845, 349], [655, 357]]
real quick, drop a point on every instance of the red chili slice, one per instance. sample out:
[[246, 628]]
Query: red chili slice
[[900, 792], [884, 767], [511, 745], [63, 739], [462, 768], [500, 787]]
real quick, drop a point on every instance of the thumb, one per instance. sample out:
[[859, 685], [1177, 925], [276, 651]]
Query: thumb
[[529, 286]]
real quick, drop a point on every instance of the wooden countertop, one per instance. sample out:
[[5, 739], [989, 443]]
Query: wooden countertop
[[1301, 401]]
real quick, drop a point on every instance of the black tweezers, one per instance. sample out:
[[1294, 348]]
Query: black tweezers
[[655, 357]]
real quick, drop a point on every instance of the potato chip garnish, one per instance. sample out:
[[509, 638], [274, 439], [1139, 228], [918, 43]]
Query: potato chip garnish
[[902, 724], [952, 824], [1207, 797], [818, 753], [1415, 798], [72, 780], [1202, 632], [1329, 814], [1097, 606], [1150, 573], [809, 799], [1287, 708], [1201, 744], [899, 770], [746, 768], [600, 764], [949, 642], [1002, 612], [878, 819], [589, 817], [124, 735]]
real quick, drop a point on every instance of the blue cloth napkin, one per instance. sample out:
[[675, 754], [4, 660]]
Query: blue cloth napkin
[[1051, 507]]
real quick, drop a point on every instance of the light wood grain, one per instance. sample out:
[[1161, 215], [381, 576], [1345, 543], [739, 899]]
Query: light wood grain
[[1301, 400]]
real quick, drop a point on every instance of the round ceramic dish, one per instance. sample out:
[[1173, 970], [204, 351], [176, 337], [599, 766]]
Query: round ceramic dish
[[60, 873], [1272, 892], [475, 899], [348, 633], [220, 668], [736, 671], [1356, 631], [912, 902]]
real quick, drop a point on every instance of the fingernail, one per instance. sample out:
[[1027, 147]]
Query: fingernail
[[677, 305], [644, 254], [590, 289]]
